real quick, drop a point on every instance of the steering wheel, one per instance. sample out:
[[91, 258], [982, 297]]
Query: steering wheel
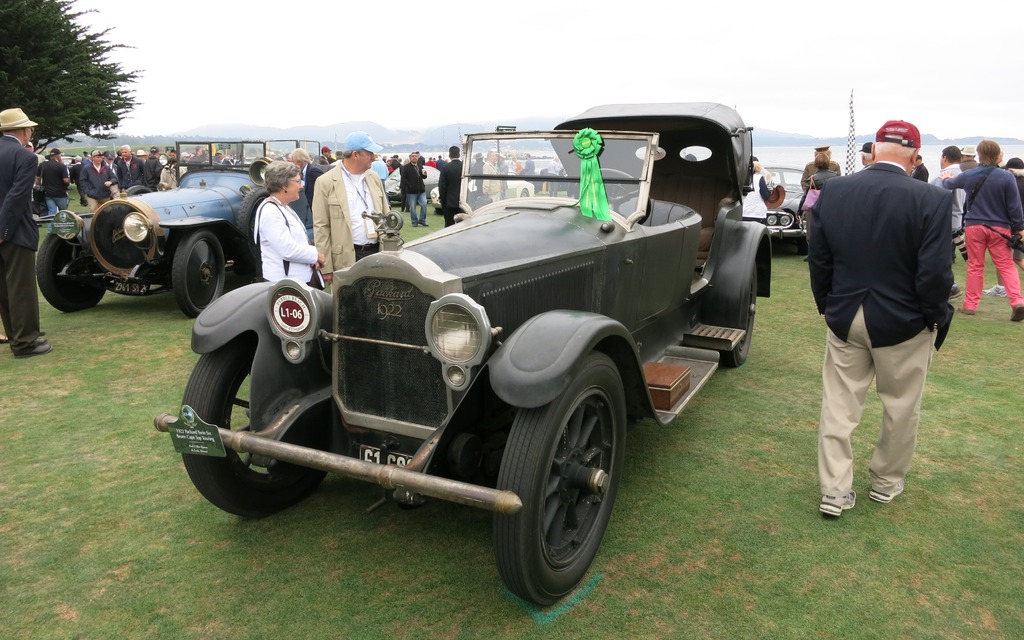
[[617, 193]]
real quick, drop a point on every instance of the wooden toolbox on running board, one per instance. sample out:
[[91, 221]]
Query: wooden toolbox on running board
[[667, 382]]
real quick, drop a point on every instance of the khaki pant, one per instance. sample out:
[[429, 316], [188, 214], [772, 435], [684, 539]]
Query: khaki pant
[[94, 203], [899, 372]]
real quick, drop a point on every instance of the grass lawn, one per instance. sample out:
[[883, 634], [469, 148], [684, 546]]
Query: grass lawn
[[716, 532]]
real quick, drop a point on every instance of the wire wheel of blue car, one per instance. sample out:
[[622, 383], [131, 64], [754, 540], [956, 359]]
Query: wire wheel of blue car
[[197, 273], [242, 483], [552, 458], [62, 292]]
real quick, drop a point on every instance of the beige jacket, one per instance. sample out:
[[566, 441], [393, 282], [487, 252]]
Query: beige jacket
[[332, 229]]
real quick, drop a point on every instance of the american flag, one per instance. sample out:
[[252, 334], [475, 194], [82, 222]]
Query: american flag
[[851, 142]]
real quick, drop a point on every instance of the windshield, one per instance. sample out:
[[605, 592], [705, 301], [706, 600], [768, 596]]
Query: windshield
[[502, 167]]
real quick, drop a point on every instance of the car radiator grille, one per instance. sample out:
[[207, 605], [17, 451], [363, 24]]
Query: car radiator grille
[[513, 302], [109, 241], [387, 377]]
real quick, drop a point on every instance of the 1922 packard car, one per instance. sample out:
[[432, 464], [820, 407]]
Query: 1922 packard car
[[181, 240], [498, 362]]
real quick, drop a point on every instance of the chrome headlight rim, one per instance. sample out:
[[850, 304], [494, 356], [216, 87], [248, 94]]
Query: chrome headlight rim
[[457, 316], [137, 227]]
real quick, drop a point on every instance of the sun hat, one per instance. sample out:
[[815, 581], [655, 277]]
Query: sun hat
[[14, 119], [968, 150]]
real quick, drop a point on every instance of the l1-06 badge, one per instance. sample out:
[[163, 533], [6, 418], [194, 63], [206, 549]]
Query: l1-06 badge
[[193, 436]]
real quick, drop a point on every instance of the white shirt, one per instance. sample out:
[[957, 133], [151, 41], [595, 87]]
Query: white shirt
[[359, 200], [753, 205], [281, 241]]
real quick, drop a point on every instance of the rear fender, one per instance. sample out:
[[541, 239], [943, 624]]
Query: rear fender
[[537, 363], [742, 247], [276, 384]]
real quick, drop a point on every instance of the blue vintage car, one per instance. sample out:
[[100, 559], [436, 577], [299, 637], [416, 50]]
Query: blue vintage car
[[183, 239], [497, 363]]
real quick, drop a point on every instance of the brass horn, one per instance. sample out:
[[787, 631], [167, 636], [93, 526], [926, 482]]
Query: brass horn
[[258, 169]]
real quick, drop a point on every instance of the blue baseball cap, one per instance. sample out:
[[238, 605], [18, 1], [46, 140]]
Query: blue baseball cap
[[358, 140]]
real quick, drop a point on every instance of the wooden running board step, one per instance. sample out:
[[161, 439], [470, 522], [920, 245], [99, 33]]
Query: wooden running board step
[[676, 377], [705, 336]]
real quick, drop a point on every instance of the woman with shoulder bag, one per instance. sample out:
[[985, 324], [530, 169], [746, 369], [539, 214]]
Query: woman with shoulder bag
[[818, 180], [280, 234]]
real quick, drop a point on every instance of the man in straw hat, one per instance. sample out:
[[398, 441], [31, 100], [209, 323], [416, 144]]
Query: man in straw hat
[[19, 237]]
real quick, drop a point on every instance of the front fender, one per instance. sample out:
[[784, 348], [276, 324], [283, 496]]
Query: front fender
[[537, 362], [276, 384]]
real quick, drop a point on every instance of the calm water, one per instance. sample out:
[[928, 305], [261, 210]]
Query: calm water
[[797, 157]]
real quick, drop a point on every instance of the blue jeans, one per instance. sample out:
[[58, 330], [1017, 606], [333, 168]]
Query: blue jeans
[[413, 200], [53, 205]]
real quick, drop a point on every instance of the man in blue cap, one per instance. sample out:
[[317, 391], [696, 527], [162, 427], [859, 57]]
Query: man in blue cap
[[340, 198]]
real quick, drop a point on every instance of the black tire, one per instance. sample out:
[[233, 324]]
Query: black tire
[[138, 190], [738, 356], [197, 272], [242, 484], [546, 549], [245, 220], [525, 193], [63, 294]]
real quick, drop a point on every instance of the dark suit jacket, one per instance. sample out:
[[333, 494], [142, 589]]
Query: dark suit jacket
[[18, 168], [313, 172], [449, 183], [880, 239]]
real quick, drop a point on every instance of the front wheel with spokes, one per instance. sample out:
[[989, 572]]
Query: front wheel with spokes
[[241, 483], [564, 460]]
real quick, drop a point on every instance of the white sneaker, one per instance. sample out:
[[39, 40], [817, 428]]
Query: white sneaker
[[998, 290], [836, 505], [886, 497]]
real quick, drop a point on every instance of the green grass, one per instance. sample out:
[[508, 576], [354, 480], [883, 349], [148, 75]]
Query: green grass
[[715, 534]]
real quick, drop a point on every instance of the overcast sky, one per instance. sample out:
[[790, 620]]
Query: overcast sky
[[787, 66]]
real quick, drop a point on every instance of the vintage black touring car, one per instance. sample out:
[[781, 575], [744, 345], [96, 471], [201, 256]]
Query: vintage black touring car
[[497, 363], [182, 239]]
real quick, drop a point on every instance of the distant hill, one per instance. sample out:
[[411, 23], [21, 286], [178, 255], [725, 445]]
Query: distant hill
[[442, 137]]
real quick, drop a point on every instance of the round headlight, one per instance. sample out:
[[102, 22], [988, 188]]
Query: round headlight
[[785, 220], [136, 227], [455, 333], [456, 376], [773, 220]]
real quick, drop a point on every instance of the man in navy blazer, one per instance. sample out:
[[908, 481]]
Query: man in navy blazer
[[880, 273], [19, 237]]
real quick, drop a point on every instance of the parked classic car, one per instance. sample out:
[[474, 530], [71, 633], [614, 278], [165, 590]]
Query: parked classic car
[[496, 363], [181, 240], [786, 222], [392, 186]]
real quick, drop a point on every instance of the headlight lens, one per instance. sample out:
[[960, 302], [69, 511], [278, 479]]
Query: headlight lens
[[136, 227], [773, 220], [785, 220], [455, 333]]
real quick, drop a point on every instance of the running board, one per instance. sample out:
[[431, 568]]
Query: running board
[[705, 336], [701, 364]]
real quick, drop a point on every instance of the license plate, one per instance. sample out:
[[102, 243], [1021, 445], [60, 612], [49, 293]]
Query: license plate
[[129, 288], [373, 454]]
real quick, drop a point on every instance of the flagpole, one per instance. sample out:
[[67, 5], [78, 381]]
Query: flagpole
[[851, 142]]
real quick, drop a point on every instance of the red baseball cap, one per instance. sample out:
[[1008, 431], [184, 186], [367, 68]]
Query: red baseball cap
[[900, 132]]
